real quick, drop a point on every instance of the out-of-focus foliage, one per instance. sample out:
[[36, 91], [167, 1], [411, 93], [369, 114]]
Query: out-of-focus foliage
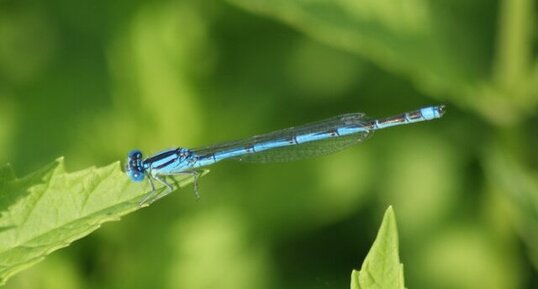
[[92, 80], [445, 47]]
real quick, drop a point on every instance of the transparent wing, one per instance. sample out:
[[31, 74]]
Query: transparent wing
[[307, 150], [296, 151]]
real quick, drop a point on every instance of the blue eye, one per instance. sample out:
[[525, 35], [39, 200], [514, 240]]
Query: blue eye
[[136, 176], [134, 167], [135, 154]]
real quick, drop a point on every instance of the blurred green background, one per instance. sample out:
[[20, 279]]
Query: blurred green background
[[91, 80]]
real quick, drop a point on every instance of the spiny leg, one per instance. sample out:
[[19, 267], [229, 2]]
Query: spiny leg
[[195, 174], [175, 182], [150, 194], [163, 181]]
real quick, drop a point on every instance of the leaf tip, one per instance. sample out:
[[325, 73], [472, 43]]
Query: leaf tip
[[389, 216], [381, 267], [355, 284]]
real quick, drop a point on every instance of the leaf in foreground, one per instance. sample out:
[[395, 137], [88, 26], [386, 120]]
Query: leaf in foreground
[[49, 209], [381, 268]]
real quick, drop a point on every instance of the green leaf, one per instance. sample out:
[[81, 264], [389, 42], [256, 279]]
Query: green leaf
[[381, 268], [49, 209]]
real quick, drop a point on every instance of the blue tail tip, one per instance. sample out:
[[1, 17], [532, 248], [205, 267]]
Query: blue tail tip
[[441, 110], [433, 112]]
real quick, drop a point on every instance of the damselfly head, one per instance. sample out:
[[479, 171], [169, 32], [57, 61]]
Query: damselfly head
[[134, 167]]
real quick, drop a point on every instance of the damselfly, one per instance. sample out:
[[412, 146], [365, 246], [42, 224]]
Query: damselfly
[[293, 143]]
